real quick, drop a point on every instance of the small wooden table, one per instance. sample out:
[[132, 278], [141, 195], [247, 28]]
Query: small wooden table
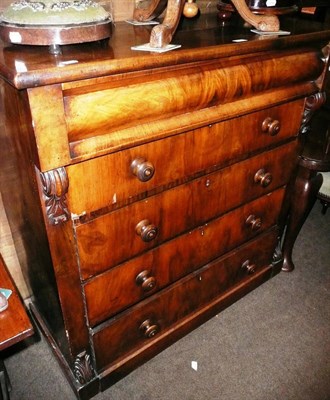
[[15, 324]]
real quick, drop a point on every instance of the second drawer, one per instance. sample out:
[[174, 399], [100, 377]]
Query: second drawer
[[118, 236]]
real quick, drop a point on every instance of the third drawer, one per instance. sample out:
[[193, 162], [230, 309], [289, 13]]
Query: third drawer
[[130, 282]]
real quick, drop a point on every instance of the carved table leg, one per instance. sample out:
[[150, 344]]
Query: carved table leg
[[155, 8], [307, 185], [265, 23], [161, 35]]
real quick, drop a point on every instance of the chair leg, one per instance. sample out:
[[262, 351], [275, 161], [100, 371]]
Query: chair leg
[[303, 197]]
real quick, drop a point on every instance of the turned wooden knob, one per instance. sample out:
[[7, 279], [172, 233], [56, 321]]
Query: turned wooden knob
[[149, 329], [142, 169], [249, 267], [190, 9], [253, 222], [145, 281], [271, 126], [263, 178], [146, 230]]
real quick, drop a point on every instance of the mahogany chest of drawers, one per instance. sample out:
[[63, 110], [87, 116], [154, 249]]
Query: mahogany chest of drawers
[[149, 191]]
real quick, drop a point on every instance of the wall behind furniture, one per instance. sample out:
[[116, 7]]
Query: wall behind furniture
[[123, 9]]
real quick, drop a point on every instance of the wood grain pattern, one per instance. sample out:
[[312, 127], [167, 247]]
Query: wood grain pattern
[[218, 121], [191, 293], [189, 154], [15, 324], [103, 242], [112, 109], [103, 293]]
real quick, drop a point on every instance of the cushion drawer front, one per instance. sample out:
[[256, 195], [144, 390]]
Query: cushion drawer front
[[109, 181], [129, 283], [129, 103], [152, 317], [103, 242]]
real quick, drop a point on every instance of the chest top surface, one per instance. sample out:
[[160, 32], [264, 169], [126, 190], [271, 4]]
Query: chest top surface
[[200, 40]]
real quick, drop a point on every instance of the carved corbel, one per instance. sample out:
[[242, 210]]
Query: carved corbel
[[265, 23], [55, 184], [312, 104], [83, 369]]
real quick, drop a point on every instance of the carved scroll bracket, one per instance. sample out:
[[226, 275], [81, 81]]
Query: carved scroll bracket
[[161, 35], [55, 184], [83, 369], [153, 10], [312, 104]]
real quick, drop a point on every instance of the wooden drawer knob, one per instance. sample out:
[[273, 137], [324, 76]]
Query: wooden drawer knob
[[263, 178], [249, 267], [149, 329], [145, 281], [271, 126], [146, 230], [253, 222], [142, 169]]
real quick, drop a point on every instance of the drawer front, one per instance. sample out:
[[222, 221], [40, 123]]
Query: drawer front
[[139, 325], [129, 283], [122, 103], [110, 181], [103, 242]]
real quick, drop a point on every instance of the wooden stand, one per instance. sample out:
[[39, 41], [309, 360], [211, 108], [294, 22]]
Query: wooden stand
[[161, 35], [14, 325]]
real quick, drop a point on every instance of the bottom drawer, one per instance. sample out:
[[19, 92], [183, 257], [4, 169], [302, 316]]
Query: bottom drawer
[[153, 316]]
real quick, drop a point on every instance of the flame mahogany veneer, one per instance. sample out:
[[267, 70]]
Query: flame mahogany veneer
[[150, 191]]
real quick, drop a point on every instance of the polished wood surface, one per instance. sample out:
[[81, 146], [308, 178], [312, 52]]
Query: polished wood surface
[[15, 324], [200, 244], [139, 179], [198, 152], [100, 246], [204, 41]]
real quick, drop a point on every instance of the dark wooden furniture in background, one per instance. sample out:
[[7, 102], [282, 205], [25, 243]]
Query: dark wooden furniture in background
[[15, 325], [148, 188], [315, 158]]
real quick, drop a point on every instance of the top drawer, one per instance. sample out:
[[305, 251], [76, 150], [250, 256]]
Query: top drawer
[[79, 120], [110, 181], [129, 101]]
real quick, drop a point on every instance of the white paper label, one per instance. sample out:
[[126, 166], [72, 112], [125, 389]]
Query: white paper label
[[271, 3], [20, 66], [15, 37], [69, 62]]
